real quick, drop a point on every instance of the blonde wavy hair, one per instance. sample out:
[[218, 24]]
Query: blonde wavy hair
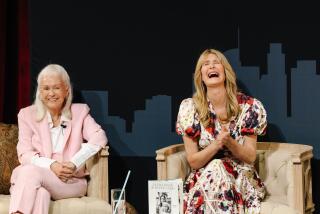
[[40, 107], [200, 95]]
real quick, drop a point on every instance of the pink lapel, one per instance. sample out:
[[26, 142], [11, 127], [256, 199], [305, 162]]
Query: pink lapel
[[67, 133], [45, 137]]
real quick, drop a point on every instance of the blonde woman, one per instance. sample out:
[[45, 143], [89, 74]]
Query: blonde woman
[[219, 127], [51, 146]]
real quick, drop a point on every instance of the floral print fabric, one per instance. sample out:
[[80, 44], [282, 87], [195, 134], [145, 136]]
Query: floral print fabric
[[230, 185]]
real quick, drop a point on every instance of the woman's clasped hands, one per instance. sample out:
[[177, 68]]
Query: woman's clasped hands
[[64, 171]]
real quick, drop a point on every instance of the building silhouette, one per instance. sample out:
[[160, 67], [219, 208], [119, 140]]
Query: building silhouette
[[151, 128]]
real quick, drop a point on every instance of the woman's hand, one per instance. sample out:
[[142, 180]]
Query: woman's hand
[[62, 171], [70, 166], [245, 152], [196, 158], [224, 137]]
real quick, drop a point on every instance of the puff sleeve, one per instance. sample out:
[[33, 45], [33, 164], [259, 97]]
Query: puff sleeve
[[187, 122], [253, 118]]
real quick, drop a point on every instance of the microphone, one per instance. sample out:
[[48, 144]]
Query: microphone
[[63, 126]]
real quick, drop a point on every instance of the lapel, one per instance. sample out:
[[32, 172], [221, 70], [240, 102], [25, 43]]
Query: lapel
[[45, 138], [67, 133]]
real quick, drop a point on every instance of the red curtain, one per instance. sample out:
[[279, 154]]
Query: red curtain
[[2, 55], [15, 79]]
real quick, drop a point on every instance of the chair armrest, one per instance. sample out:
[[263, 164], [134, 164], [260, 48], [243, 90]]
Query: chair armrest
[[302, 178], [98, 185], [298, 152], [162, 155]]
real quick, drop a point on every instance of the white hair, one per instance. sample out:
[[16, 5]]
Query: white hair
[[40, 107]]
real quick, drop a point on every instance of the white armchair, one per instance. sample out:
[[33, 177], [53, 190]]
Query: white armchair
[[285, 169]]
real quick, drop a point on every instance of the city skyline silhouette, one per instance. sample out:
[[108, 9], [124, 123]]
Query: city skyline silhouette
[[152, 127]]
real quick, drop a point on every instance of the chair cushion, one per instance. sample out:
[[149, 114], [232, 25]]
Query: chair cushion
[[268, 207], [4, 203], [8, 155], [84, 205]]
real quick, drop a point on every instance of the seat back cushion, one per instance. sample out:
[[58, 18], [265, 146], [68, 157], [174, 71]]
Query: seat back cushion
[[275, 169]]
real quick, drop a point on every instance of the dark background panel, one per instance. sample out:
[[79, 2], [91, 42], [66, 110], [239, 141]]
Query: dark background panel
[[136, 50], [132, 50]]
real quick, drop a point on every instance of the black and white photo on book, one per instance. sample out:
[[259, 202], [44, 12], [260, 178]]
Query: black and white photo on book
[[165, 196]]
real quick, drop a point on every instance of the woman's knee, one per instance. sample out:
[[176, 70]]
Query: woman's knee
[[29, 173]]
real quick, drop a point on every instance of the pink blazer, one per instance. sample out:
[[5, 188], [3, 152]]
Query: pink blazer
[[34, 137]]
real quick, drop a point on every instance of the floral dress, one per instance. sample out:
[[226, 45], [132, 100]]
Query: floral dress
[[225, 184]]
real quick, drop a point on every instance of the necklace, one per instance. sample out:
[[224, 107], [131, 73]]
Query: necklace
[[223, 121]]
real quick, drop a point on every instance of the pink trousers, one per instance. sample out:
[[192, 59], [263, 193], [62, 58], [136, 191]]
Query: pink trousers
[[32, 187]]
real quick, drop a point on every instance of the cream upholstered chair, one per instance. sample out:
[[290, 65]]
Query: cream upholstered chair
[[97, 196], [285, 169], [96, 200]]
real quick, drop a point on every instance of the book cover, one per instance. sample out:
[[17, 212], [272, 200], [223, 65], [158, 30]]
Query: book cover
[[165, 196]]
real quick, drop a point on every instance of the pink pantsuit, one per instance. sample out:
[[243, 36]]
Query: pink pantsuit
[[33, 186]]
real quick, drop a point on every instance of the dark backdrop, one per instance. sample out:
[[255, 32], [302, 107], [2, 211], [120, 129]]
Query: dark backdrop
[[137, 50]]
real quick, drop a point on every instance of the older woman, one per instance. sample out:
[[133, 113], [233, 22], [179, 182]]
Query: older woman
[[51, 146], [219, 126]]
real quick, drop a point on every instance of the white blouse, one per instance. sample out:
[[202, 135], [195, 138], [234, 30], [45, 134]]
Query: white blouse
[[57, 137]]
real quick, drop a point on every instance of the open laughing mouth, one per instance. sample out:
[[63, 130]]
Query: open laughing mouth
[[213, 74]]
